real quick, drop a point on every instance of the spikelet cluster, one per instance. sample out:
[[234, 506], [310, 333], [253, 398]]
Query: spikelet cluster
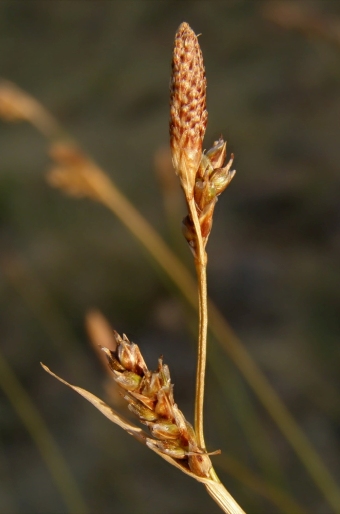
[[210, 181], [150, 397], [202, 175]]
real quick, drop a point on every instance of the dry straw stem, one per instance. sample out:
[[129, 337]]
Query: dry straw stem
[[108, 194]]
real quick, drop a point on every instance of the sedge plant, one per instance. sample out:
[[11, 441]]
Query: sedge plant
[[203, 177]]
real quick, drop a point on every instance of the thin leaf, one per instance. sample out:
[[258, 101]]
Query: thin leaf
[[136, 432]]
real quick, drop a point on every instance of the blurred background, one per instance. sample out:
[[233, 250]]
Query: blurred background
[[102, 69]]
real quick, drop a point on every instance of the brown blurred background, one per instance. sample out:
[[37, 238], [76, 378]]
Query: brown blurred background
[[102, 68]]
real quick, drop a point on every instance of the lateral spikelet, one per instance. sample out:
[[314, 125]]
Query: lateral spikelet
[[150, 397]]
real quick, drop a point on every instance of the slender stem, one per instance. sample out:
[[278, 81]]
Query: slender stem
[[202, 351], [201, 260], [201, 270]]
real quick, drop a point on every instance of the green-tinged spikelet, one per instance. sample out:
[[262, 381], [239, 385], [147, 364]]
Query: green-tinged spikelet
[[150, 397]]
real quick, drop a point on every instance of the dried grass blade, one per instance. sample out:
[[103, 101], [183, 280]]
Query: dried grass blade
[[136, 432]]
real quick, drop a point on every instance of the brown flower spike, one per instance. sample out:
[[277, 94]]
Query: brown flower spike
[[202, 175], [150, 397], [188, 115]]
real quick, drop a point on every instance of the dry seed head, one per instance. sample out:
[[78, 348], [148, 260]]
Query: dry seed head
[[14, 104], [211, 181], [188, 114], [76, 174], [150, 397], [202, 176]]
